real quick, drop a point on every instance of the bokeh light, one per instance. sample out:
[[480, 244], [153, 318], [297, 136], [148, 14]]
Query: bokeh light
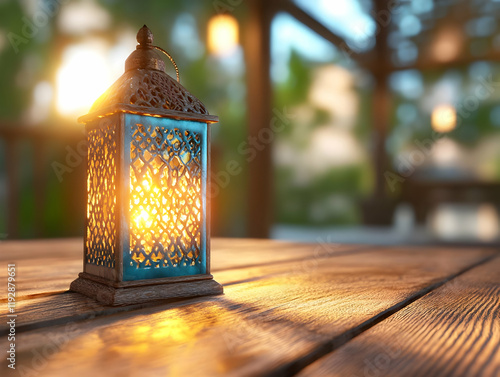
[[444, 118], [223, 34], [81, 79]]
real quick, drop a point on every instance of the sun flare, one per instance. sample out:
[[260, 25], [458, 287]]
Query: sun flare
[[82, 77]]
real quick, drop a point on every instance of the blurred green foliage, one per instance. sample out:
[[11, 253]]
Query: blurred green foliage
[[332, 197]]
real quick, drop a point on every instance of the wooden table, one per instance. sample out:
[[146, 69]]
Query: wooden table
[[305, 309]]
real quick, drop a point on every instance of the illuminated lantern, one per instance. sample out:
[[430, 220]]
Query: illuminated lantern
[[147, 221]]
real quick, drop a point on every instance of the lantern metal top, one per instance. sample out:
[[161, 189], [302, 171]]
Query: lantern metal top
[[146, 89]]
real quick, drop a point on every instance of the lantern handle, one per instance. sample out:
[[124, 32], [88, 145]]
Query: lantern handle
[[171, 59]]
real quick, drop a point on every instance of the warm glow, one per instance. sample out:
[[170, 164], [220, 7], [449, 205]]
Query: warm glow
[[447, 44], [466, 222], [444, 118], [81, 79], [143, 219], [487, 222], [165, 201], [222, 34]]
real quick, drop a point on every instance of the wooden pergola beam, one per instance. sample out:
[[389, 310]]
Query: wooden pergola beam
[[312, 23], [427, 64]]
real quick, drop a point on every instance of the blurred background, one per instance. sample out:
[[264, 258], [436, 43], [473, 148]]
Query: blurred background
[[367, 121]]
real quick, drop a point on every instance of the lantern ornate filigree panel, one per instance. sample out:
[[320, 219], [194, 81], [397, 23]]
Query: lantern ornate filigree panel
[[100, 233], [147, 230], [167, 197]]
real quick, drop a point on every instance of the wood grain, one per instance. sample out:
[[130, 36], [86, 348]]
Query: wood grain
[[34, 313], [45, 267], [281, 314], [69, 307], [453, 331]]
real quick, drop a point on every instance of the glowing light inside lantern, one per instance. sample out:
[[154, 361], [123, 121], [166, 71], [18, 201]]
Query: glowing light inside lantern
[[223, 34], [143, 217], [165, 197], [444, 118]]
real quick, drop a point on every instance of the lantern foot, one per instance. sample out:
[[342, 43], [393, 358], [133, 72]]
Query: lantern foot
[[108, 294]]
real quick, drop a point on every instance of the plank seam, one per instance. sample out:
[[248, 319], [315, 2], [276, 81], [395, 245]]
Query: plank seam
[[355, 250], [294, 367]]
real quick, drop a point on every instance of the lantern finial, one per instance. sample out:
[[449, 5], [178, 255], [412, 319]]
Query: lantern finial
[[145, 36], [145, 56]]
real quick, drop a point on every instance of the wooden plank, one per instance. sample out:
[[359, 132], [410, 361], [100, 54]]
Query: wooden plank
[[230, 252], [49, 266], [33, 309], [258, 326], [453, 331]]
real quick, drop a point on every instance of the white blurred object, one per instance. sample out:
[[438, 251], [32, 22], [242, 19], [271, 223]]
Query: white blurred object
[[83, 17], [404, 219], [465, 222]]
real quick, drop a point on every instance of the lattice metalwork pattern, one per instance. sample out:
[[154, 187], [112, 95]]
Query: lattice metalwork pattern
[[152, 90], [100, 242], [166, 198]]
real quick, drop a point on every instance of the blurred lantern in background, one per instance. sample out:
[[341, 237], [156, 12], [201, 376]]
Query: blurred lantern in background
[[444, 118], [147, 231], [223, 34], [448, 43]]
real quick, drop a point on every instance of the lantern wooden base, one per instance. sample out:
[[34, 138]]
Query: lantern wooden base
[[143, 291]]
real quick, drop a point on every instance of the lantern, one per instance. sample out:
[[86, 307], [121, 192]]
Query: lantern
[[147, 220]]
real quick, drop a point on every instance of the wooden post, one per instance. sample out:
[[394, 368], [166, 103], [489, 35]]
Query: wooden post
[[379, 208], [13, 186], [40, 185], [381, 117], [259, 100], [381, 102]]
